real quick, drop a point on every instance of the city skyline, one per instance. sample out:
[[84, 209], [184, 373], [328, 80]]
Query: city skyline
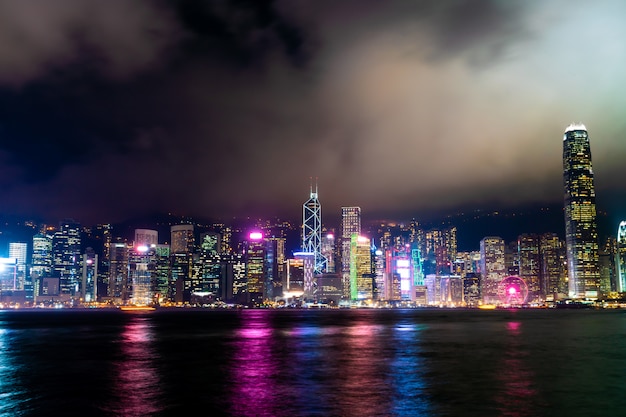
[[115, 110]]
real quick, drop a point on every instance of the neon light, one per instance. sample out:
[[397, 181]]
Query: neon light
[[142, 248], [256, 236]]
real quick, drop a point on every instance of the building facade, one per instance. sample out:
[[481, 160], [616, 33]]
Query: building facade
[[581, 234]]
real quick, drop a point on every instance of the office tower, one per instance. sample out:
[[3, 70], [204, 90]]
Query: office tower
[[162, 278], [312, 230], [66, 257], [89, 285], [550, 248], [255, 267], [146, 237], [380, 273], [118, 272], [471, 289], [511, 258], [492, 267], [17, 251], [234, 277], [607, 255], [300, 274], [8, 274], [621, 257], [361, 277], [182, 236], [350, 225], [400, 274], [444, 290], [581, 235], [41, 260], [141, 275], [328, 251], [439, 250], [530, 265], [181, 277], [210, 242]]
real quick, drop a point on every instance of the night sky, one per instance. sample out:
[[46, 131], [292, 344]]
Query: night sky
[[111, 109]]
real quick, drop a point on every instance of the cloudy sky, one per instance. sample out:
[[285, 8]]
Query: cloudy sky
[[111, 109]]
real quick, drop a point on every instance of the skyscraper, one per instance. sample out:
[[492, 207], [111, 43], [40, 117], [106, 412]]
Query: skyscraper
[[350, 224], [581, 235], [492, 267], [66, 257], [17, 250], [312, 230], [621, 257], [182, 236]]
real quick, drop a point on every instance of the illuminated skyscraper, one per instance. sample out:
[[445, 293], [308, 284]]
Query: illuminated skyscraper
[[141, 275], [581, 235], [550, 248], [146, 237], [492, 267], [66, 257], [312, 230], [182, 236], [89, 285], [118, 272], [530, 265], [41, 260], [17, 250], [361, 277], [350, 224], [255, 267], [621, 257]]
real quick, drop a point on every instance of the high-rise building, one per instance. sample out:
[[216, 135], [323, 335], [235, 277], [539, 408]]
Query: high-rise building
[[328, 251], [361, 277], [66, 257], [312, 230], [146, 237], [89, 285], [550, 248], [141, 275], [350, 224], [17, 250], [41, 260], [118, 272], [255, 267], [530, 265], [182, 236], [621, 257], [492, 267], [581, 235]]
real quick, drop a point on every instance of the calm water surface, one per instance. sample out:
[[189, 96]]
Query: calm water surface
[[313, 363]]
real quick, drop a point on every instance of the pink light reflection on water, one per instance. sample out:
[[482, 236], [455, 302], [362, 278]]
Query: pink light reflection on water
[[518, 396], [254, 369], [137, 389], [366, 391]]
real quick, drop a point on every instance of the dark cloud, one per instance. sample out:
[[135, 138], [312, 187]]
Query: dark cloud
[[111, 109]]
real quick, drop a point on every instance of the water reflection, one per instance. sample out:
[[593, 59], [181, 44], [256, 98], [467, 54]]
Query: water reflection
[[136, 390], [365, 361], [254, 368], [517, 397], [408, 369], [12, 399]]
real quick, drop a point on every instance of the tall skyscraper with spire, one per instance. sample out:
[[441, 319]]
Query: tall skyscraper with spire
[[312, 230], [581, 234]]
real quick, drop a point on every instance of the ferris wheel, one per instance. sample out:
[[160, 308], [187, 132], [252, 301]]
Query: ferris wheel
[[513, 290]]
